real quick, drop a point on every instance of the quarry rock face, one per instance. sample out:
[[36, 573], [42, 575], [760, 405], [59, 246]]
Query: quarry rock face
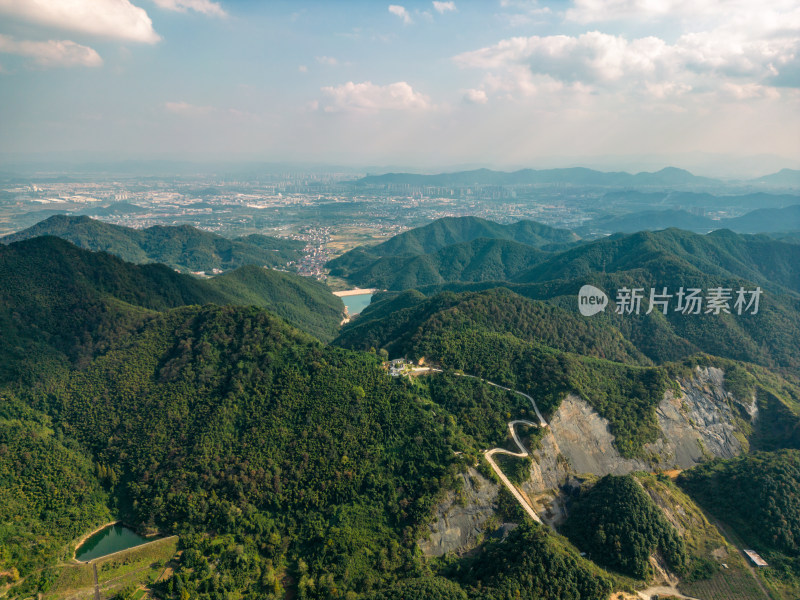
[[703, 422], [459, 523]]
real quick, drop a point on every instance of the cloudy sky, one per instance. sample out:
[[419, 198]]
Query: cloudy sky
[[703, 84]]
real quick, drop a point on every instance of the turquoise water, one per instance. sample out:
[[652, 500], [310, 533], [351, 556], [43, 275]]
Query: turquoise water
[[109, 540], [355, 304]]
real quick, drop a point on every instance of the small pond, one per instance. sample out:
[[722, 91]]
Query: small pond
[[109, 540]]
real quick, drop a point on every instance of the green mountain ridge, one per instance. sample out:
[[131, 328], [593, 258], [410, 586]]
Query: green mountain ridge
[[454, 230], [54, 291], [183, 247], [286, 466], [478, 260], [269, 453], [670, 258]]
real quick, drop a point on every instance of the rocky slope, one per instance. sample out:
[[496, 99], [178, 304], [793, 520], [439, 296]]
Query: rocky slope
[[704, 421]]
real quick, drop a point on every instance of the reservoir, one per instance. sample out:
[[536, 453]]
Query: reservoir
[[355, 304], [355, 300], [109, 540]]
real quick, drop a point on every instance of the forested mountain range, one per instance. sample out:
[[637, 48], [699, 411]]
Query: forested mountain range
[[183, 247], [57, 293], [198, 407], [665, 259], [132, 401]]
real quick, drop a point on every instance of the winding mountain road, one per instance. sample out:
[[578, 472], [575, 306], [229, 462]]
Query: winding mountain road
[[523, 452]]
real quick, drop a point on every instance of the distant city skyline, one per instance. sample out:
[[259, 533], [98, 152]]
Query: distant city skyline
[[711, 86]]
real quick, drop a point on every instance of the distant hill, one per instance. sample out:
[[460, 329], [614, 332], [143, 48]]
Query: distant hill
[[667, 177], [671, 254], [451, 249], [649, 220], [640, 201], [764, 220], [784, 178], [455, 230], [118, 208], [184, 248]]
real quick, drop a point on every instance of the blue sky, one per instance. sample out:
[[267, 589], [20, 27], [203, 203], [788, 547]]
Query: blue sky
[[710, 85]]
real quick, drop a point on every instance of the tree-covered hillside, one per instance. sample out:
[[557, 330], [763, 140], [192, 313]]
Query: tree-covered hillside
[[308, 464], [456, 230], [531, 563], [483, 259], [530, 346], [227, 420], [670, 259], [619, 526], [759, 496], [407, 322], [302, 301], [49, 494], [426, 243], [184, 248], [58, 298]]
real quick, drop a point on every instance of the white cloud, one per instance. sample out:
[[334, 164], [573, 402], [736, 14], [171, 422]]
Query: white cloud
[[187, 109], [401, 12], [475, 97], [443, 7], [52, 53], [699, 61], [118, 19], [594, 11], [370, 97], [206, 7], [302, 69], [327, 60]]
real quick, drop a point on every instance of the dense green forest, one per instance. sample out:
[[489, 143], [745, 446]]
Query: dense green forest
[[212, 409], [671, 258], [402, 323], [227, 420], [759, 496], [182, 247], [618, 525], [530, 563], [302, 301], [58, 300], [499, 335], [49, 494], [483, 259]]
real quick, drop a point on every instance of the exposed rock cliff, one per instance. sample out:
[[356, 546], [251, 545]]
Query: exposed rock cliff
[[462, 517], [704, 421]]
